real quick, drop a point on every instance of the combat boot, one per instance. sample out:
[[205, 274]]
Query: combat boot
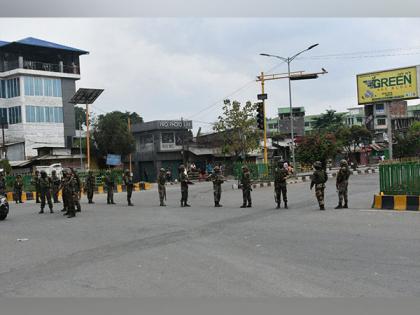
[[340, 206], [243, 206], [71, 215], [51, 210], [278, 205], [285, 205], [41, 212], [321, 207], [249, 205], [346, 205], [186, 204]]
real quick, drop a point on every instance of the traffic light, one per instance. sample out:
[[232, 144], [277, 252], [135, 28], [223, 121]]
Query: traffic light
[[260, 116]]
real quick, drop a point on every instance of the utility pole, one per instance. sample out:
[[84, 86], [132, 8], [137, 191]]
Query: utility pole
[[4, 141], [87, 137], [265, 120], [389, 128], [129, 130], [80, 145], [183, 152]]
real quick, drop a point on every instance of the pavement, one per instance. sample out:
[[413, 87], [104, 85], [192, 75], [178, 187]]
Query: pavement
[[202, 251]]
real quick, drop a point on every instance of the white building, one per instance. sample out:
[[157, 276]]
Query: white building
[[37, 81]]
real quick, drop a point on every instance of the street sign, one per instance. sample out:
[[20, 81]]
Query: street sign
[[113, 159], [262, 97]]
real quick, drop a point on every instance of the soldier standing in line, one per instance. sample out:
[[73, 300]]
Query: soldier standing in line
[[69, 193], [217, 180], [55, 186], [280, 184], [246, 187], [17, 189], [162, 187], [45, 191], [2, 184], [35, 182], [63, 195], [319, 178], [183, 179], [342, 184], [78, 186], [90, 186], [109, 185], [129, 185]]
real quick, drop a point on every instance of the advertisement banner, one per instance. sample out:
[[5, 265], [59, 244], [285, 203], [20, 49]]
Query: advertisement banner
[[113, 159], [389, 85]]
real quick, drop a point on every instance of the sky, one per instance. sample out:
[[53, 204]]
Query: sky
[[168, 68]]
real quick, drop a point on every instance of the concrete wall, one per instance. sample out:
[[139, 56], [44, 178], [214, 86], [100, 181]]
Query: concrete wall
[[68, 90]]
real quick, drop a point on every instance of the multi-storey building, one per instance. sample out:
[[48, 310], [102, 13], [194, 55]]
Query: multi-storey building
[[37, 81]]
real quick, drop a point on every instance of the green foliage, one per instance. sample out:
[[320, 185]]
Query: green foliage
[[320, 147], [352, 138], [5, 165], [237, 124], [408, 145], [80, 116], [111, 134], [328, 122]]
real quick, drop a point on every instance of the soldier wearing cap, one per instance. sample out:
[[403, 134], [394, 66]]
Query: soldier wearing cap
[[280, 183], [217, 180], [78, 186], [55, 185], [69, 193], [109, 185], [90, 183], [35, 182], [183, 179], [319, 178], [342, 184], [129, 185], [246, 187], [162, 187]]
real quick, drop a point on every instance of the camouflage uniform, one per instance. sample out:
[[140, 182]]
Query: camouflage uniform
[[129, 185], [280, 184], [246, 187], [2, 185], [161, 186], [183, 179], [109, 185], [55, 186], [45, 191], [69, 194], [90, 186], [17, 189], [63, 195], [342, 183], [217, 180], [319, 178], [35, 182], [78, 185]]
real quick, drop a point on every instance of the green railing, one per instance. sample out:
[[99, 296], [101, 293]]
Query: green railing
[[400, 178], [259, 171]]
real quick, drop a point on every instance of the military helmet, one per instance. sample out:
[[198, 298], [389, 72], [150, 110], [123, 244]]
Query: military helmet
[[244, 167], [317, 164], [162, 169], [126, 171], [182, 167], [343, 163], [108, 172], [216, 169]]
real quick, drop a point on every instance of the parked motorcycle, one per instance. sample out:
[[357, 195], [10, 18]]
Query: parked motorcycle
[[4, 207]]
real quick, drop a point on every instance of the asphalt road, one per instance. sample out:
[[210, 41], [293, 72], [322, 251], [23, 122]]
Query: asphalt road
[[202, 251]]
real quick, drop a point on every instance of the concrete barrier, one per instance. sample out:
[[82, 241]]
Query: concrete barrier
[[396, 202]]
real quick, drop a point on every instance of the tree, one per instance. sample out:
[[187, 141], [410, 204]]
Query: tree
[[237, 125], [408, 145], [5, 165], [320, 147], [328, 122], [111, 134], [352, 138], [80, 116]]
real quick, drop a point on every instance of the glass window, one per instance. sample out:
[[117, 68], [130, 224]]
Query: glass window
[[3, 115], [48, 87], [38, 87], [15, 115], [56, 87], [167, 137], [2, 89], [381, 122]]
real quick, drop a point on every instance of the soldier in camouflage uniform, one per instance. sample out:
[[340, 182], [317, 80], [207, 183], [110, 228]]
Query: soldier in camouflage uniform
[[45, 191], [280, 184], [35, 182], [161, 186], [217, 180], [78, 193], [17, 189], [319, 178], [2, 185], [90, 182], [183, 179], [246, 187], [342, 183], [129, 185], [109, 185], [69, 193], [63, 195], [55, 186]]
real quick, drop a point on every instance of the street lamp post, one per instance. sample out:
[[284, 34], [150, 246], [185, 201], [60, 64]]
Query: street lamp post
[[289, 61]]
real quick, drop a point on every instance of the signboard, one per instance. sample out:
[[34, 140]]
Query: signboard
[[175, 124], [389, 85], [113, 159]]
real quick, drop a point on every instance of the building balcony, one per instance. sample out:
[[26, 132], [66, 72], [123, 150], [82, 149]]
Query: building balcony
[[41, 66]]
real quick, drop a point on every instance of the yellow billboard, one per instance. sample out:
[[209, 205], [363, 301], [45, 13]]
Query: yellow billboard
[[389, 85]]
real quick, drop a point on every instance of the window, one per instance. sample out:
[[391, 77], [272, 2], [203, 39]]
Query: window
[[3, 115], [359, 119], [35, 86], [44, 114], [2, 89], [9, 88], [15, 115], [380, 108], [381, 121], [167, 137]]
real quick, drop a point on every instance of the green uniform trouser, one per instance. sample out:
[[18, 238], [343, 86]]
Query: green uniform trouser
[[217, 191], [90, 194], [18, 195], [55, 194], [184, 193], [342, 191], [46, 195], [110, 194], [281, 190], [161, 190], [69, 198], [129, 193], [77, 202], [246, 195], [319, 193]]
